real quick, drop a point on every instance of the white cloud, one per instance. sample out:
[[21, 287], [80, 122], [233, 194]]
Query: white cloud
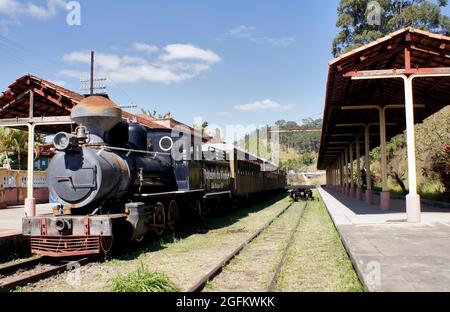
[[178, 63], [178, 51], [250, 33], [241, 31], [11, 11], [10, 7], [144, 47], [262, 106], [45, 12]]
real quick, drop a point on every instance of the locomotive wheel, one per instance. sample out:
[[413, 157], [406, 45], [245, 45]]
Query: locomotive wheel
[[159, 219], [173, 215]]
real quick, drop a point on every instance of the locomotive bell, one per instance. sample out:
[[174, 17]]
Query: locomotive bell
[[98, 114]]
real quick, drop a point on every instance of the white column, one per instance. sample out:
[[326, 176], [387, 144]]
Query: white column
[[385, 197], [352, 176], [369, 191], [358, 168], [343, 172], [346, 180], [30, 201], [412, 199], [383, 149]]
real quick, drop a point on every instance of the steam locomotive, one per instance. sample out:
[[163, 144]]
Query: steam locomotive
[[117, 180]]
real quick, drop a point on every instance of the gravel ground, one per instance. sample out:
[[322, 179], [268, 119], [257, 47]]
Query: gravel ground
[[254, 268], [184, 261]]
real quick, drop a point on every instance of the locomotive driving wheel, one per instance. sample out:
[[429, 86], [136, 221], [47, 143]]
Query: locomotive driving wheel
[[173, 214], [159, 219]]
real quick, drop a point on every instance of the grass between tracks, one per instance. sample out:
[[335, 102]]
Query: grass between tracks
[[142, 280], [318, 261], [183, 257]]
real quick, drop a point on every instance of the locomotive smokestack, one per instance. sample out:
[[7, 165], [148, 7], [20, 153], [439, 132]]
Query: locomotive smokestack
[[98, 114]]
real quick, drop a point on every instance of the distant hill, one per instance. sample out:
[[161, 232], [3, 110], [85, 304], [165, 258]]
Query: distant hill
[[298, 150]]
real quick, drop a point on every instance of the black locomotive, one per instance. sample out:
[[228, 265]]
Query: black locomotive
[[119, 180]]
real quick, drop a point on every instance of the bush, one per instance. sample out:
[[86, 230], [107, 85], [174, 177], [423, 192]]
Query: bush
[[142, 280]]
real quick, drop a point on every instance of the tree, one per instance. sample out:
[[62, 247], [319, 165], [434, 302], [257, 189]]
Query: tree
[[432, 144], [150, 113], [17, 141], [359, 23]]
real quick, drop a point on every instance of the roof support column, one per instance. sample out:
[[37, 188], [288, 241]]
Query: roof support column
[[336, 175], [358, 169], [412, 199], [31, 124], [369, 191], [385, 196], [30, 201], [352, 175], [346, 180], [343, 172]]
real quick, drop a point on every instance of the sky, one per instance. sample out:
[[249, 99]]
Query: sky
[[229, 62]]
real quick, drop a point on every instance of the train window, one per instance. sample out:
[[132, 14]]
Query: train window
[[166, 143]]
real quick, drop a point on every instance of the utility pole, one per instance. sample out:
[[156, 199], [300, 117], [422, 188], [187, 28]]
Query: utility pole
[[92, 73], [93, 84]]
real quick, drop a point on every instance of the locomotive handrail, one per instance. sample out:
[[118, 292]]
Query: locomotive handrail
[[104, 147]]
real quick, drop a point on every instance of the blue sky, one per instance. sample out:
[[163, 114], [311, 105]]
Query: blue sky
[[220, 60]]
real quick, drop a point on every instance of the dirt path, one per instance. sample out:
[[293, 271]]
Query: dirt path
[[254, 268], [184, 260]]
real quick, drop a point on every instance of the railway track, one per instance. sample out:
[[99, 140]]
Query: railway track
[[217, 270], [34, 270]]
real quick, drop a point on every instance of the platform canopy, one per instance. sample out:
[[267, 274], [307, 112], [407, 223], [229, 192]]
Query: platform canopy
[[405, 52], [49, 100]]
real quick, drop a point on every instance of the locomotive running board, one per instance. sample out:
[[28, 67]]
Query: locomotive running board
[[169, 193], [217, 194]]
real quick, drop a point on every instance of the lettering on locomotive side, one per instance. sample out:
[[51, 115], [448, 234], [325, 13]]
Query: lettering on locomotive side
[[216, 175]]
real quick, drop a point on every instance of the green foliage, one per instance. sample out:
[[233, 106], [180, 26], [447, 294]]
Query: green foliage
[[150, 113], [433, 147], [355, 30], [305, 144], [201, 126], [142, 280], [13, 144], [300, 163], [300, 141], [432, 153]]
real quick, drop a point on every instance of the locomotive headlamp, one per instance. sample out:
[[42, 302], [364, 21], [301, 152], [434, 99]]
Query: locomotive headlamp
[[166, 144], [64, 141]]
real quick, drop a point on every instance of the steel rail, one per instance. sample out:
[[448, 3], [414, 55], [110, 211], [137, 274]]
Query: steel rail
[[19, 281], [200, 285], [14, 267], [276, 276]]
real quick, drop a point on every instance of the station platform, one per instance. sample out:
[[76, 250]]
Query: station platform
[[12, 243], [388, 253]]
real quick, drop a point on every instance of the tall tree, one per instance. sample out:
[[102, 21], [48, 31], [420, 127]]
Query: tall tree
[[363, 21]]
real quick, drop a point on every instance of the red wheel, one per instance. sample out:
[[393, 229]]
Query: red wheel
[[159, 219], [173, 214]]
